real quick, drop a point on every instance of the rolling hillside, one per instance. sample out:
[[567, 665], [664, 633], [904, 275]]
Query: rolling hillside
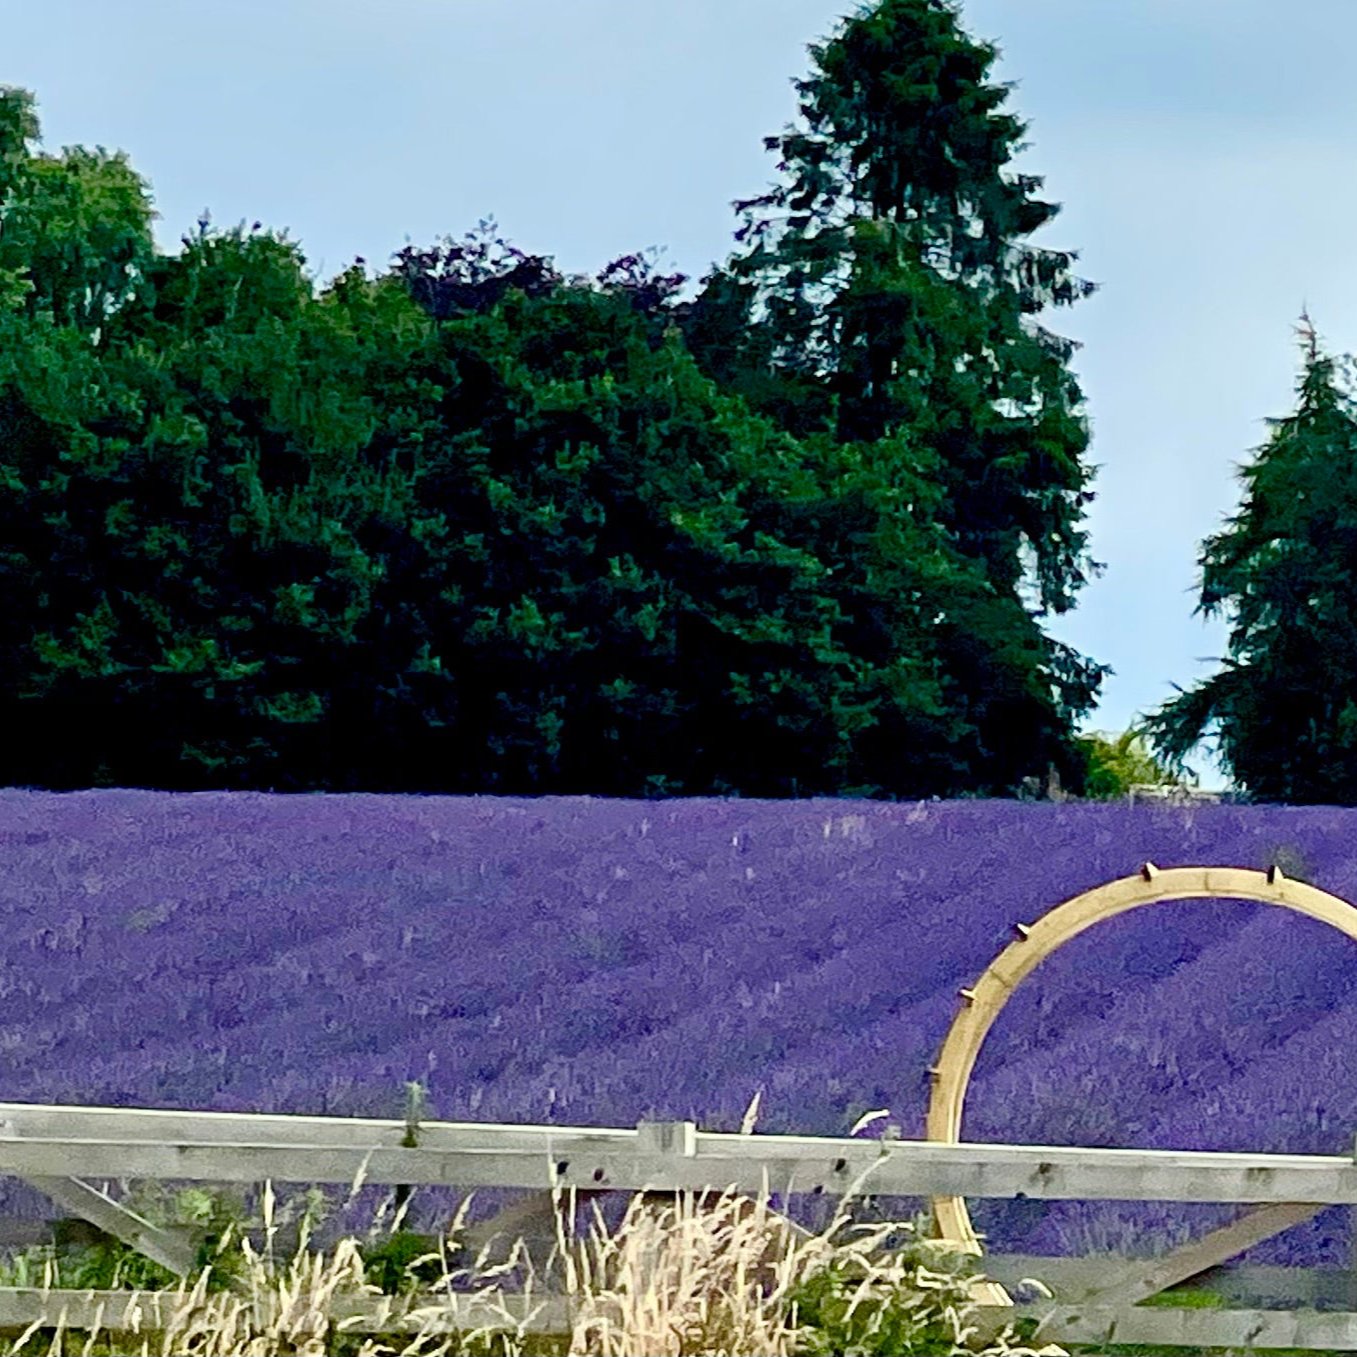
[[588, 961]]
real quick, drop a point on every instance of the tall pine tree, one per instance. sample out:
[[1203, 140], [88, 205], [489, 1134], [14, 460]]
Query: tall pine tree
[[886, 295], [1283, 708]]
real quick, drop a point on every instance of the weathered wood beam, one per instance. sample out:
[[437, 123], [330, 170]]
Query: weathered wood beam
[[1186, 1327], [1242, 1285], [120, 1311], [169, 1249], [610, 1161], [1140, 1280], [153, 1311]]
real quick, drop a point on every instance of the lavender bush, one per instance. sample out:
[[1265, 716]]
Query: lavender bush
[[584, 961]]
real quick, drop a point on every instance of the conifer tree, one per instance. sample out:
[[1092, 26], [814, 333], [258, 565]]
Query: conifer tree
[[1283, 706], [887, 295]]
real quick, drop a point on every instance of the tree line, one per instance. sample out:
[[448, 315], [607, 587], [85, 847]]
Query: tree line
[[466, 524]]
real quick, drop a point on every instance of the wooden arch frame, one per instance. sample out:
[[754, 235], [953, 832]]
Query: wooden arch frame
[[982, 1002]]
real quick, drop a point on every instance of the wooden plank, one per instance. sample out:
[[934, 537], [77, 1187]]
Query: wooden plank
[[747, 1164], [119, 1311], [822, 1163], [167, 1125], [169, 1249], [1187, 1327], [1140, 1280], [1248, 1285]]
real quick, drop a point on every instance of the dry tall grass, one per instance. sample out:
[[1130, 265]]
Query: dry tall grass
[[691, 1275]]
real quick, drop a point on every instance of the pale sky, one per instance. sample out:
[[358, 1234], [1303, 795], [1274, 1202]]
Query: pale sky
[[1204, 152]]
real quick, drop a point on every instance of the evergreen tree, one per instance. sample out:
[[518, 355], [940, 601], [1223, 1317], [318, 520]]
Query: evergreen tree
[[1283, 708], [887, 295]]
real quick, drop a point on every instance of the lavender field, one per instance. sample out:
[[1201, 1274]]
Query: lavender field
[[589, 961]]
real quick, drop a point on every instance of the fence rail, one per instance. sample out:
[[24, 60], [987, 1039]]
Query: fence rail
[[57, 1148], [673, 1155]]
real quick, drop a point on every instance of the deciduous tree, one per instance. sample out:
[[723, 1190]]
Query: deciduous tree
[[1115, 763]]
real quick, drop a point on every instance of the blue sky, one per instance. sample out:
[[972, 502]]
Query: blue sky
[[1204, 153]]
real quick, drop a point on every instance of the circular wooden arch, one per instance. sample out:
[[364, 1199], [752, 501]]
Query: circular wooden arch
[[982, 1002]]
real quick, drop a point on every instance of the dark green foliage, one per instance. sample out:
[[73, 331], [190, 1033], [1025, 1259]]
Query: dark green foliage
[[471, 526], [917, 1310], [895, 251], [188, 513], [886, 295], [653, 600], [403, 1263], [1281, 708]]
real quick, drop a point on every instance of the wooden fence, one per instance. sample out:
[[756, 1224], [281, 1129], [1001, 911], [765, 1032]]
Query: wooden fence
[[59, 1149]]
